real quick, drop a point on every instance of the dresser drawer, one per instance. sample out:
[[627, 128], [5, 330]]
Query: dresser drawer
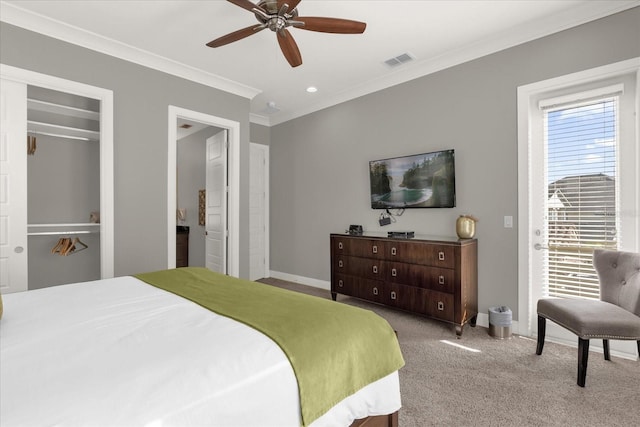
[[439, 256], [365, 267], [372, 290], [419, 253], [405, 297], [439, 305], [366, 248], [438, 279]]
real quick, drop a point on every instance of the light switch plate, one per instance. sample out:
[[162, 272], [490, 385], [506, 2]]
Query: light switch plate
[[508, 221]]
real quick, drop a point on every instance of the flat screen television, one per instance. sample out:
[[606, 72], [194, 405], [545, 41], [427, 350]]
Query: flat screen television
[[419, 181]]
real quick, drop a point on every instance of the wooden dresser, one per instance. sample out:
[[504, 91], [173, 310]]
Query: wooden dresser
[[437, 278]]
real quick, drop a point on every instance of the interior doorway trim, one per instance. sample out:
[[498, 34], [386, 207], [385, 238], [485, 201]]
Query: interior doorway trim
[[233, 220], [105, 96]]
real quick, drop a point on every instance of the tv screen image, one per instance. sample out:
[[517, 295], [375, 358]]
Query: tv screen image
[[418, 181]]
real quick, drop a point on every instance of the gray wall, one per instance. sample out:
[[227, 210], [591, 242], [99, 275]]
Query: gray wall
[[260, 134], [319, 162], [141, 100]]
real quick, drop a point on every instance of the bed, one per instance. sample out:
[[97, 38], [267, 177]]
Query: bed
[[149, 351]]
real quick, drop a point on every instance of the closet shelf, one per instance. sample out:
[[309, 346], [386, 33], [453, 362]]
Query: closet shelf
[[62, 229], [65, 110], [62, 131]]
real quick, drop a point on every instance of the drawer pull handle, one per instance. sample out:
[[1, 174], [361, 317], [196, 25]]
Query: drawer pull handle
[[375, 269], [374, 249], [340, 283], [394, 273], [340, 245], [441, 256], [340, 263], [441, 279], [393, 294], [393, 251], [440, 306], [375, 291]]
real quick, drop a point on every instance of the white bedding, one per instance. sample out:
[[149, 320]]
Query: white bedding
[[119, 352]]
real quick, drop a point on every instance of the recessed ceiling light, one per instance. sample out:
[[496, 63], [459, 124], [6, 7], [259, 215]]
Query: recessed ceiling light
[[312, 89]]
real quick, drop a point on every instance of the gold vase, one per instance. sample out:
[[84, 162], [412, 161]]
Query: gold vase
[[465, 227]]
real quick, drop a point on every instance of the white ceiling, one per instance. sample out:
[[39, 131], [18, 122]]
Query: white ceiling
[[171, 36]]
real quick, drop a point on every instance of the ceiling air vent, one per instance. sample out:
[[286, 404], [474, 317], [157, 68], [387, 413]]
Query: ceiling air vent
[[399, 60]]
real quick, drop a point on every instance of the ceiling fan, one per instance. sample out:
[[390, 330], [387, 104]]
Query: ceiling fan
[[277, 15]]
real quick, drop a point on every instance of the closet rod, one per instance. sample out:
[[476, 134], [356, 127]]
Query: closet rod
[[56, 135], [60, 233]]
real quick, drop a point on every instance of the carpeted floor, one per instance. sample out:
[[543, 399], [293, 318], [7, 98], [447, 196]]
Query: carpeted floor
[[482, 381]]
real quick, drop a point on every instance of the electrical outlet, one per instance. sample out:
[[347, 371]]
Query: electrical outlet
[[508, 221]]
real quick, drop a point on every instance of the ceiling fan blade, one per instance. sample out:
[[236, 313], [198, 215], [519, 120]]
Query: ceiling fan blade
[[289, 47], [236, 35], [292, 4], [246, 4], [331, 25]]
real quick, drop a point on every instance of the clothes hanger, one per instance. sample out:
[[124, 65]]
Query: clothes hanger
[[67, 246], [59, 246], [77, 241]]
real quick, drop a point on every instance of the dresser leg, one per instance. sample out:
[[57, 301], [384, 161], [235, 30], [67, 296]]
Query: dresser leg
[[473, 320], [334, 295], [459, 331]]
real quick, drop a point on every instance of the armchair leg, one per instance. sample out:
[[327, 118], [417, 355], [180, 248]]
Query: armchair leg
[[638, 348], [583, 356], [542, 326], [605, 347]]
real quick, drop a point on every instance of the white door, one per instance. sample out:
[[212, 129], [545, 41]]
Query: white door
[[13, 187], [258, 211], [583, 182], [216, 200]]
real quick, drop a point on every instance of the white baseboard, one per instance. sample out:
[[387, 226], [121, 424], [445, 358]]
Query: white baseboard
[[322, 284]]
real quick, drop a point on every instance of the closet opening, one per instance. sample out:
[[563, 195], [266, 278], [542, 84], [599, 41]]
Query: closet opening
[[63, 188], [56, 206]]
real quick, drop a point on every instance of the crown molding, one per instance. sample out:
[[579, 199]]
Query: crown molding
[[14, 15]]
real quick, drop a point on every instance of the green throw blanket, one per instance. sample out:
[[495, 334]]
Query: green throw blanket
[[334, 349]]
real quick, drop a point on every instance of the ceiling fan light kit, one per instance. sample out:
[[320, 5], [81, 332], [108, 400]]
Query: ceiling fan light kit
[[277, 15]]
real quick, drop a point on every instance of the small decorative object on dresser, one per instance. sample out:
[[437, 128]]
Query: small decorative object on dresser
[[466, 226], [434, 277]]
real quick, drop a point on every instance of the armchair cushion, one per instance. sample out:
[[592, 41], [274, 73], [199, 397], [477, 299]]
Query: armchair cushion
[[619, 274], [591, 319]]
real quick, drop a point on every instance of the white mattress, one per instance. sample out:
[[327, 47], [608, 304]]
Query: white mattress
[[121, 352]]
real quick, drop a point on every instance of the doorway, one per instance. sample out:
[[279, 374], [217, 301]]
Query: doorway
[[233, 172], [566, 207]]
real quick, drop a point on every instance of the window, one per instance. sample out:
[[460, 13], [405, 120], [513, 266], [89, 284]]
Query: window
[[581, 139]]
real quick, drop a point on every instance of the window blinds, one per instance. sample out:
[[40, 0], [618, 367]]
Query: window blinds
[[581, 142]]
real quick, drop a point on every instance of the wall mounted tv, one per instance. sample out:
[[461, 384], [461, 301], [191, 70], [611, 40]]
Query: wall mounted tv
[[419, 181]]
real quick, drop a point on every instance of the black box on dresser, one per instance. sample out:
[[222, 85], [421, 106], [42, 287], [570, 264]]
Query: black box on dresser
[[434, 277]]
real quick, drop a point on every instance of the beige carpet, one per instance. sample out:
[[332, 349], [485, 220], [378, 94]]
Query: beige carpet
[[490, 382]]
